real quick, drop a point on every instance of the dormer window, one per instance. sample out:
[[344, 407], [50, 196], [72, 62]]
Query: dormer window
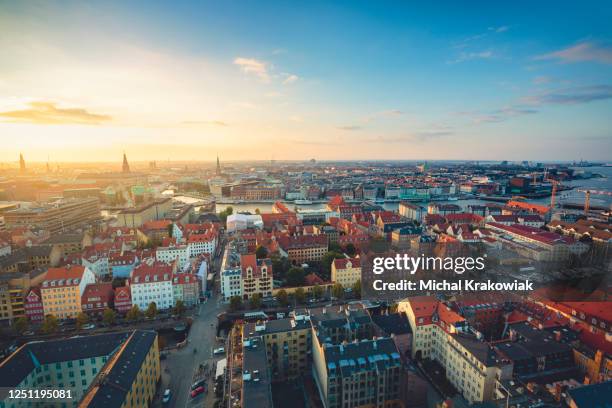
[[147, 278], [165, 276]]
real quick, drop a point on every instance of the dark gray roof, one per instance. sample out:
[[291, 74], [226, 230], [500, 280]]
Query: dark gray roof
[[257, 391], [362, 355], [32, 355], [276, 326], [396, 323], [118, 381], [65, 238], [593, 396], [481, 350]]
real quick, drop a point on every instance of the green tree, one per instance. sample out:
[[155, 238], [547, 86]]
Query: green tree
[[109, 316], [256, 301], [225, 213], [337, 291], [151, 310], [280, 266], [334, 247], [179, 308], [235, 303], [134, 313], [50, 324], [326, 262], [261, 253], [21, 324], [317, 291], [300, 295], [350, 249], [81, 320], [282, 297], [357, 288], [295, 276], [257, 211]]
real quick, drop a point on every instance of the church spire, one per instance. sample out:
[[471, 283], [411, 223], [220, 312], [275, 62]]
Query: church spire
[[22, 165], [218, 166], [126, 166]]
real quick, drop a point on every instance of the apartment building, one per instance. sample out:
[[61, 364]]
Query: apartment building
[[231, 273], [33, 305], [55, 216], [123, 299], [97, 297], [129, 379], [287, 342], [412, 211], [256, 276], [151, 282], [186, 288], [304, 248], [365, 373], [63, 289], [346, 271], [172, 253]]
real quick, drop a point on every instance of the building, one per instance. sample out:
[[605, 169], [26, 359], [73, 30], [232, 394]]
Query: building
[[231, 273], [256, 276], [130, 377], [97, 262], [151, 282], [55, 216], [412, 211], [33, 306], [287, 342], [85, 366], [63, 289], [69, 243], [179, 253], [186, 288], [137, 216], [239, 222], [97, 297], [123, 299], [346, 271], [590, 396], [358, 374], [304, 248]]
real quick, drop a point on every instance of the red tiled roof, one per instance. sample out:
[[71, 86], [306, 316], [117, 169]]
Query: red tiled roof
[[100, 292], [341, 263], [67, 272]]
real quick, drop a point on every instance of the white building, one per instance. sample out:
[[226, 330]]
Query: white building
[[231, 275], [151, 281], [172, 253], [238, 222], [97, 262]]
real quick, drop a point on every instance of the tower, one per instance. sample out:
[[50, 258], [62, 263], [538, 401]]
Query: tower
[[22, 166], [126, 166], [218, 172]]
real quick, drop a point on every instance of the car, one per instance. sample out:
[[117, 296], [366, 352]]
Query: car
[[167, 396], [28, 333], [197, 391], [200, 383], [219, 350], [89, 326]]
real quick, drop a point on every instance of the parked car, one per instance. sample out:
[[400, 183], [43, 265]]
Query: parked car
[[167, 396], [219, 350], [197, 391], [197, 384], [89, 326]]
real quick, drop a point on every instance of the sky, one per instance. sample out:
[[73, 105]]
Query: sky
[[330, 80]]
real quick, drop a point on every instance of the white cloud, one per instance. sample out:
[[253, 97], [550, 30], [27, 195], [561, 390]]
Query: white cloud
[[584, 51], [253, 66], [290, 79]]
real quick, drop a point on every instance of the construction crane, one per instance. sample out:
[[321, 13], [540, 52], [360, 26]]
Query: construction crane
[[553, 192], [587, 197]]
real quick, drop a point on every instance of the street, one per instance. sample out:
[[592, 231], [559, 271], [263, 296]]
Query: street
[[179, 366]]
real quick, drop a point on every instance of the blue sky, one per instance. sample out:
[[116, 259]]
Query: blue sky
[[293, 80]]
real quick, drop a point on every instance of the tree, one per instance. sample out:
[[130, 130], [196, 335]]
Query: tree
[[235, 303], [224, 214], [300, 295], [337, 291], [81, 320], [50, 324], [21, 324], [261, 252], [282, 297], [357, 288], [334, 247], [256, 301], [134, 313], [280, 266], [350, 249], [326, 262], [151, 310], [109, 316], [257, 211], [295, 276], [317, 291], [179, 308]]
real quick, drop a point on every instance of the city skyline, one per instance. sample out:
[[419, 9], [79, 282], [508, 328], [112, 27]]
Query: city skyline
[[330, 81]]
